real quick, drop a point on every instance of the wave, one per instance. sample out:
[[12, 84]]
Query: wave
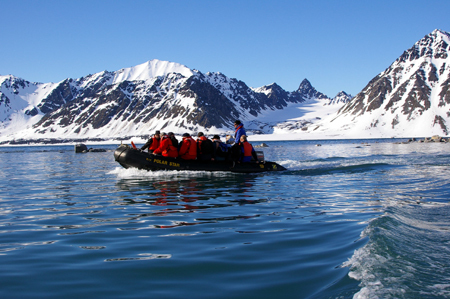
[[337, 169], [407, 255]]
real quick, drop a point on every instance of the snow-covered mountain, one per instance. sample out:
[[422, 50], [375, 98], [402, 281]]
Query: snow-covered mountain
[[302, 118], [411, 98], [296, 115], [341, 98], [156, 95]]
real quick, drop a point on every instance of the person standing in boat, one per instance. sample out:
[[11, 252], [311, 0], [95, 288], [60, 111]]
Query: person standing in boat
[[166, 148], [153, 143], [204, 147], [239, 130], [236, 148], [247, 150], [188, 149]]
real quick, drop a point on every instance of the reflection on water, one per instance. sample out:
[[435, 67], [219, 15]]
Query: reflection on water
[[187, 195]]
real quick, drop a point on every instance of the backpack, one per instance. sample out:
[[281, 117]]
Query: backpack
[[222, 150], [207, 147]]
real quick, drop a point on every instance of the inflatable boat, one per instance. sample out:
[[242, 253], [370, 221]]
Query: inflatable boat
[[129, 157]]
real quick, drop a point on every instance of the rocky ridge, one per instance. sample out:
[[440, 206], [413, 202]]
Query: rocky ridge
[[136, 101]]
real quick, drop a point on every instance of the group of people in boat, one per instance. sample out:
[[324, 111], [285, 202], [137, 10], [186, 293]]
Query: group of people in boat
[[204, 149]]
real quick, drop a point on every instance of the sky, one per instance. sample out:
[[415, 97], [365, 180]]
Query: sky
[[336, 45]]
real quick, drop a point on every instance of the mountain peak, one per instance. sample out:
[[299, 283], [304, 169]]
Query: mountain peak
[[308, 92], [9, 78], [436, 32], [433, 45], [305, 85], [343, 94], [435, 39], [341, 98], [151, 69]]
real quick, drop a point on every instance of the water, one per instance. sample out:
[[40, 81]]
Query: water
[[347, 220]]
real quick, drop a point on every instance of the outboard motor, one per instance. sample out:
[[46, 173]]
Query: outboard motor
[[260, 155]]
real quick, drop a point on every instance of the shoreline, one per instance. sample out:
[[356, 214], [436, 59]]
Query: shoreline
[[252, 138]]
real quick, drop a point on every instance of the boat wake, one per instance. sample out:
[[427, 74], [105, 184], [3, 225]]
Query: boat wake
[[134, 173], [335, 165], [407, 253]]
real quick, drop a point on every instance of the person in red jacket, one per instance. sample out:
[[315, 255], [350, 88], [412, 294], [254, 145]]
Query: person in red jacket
[[247, 150], [166, 148], [153, 143], [188, 149]]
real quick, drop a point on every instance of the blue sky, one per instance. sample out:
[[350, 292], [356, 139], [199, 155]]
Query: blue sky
[[337, 45]]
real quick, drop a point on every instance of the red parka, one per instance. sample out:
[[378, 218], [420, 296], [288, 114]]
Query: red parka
[[166, 148]]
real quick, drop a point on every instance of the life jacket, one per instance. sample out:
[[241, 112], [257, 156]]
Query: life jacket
[[238, 133], [171, 151], [188, 150], [166, 148], [248, 148], [155, 144]]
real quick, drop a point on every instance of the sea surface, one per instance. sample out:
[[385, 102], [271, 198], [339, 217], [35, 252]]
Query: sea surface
[[348, 219]]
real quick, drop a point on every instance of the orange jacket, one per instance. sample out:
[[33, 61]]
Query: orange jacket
[[155, 144], [166, 148], [188, 150]]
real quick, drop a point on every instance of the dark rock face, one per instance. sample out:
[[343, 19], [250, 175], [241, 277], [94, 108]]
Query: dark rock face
[[438, 120], [205, 100], [276, 96], [58, 97], [10, 87], [306, 91], [209, 101]]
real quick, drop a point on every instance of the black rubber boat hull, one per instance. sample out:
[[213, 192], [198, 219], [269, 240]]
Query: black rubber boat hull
[[132, 158]]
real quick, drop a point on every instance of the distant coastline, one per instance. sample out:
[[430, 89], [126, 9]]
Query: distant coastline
[[253, 138]]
